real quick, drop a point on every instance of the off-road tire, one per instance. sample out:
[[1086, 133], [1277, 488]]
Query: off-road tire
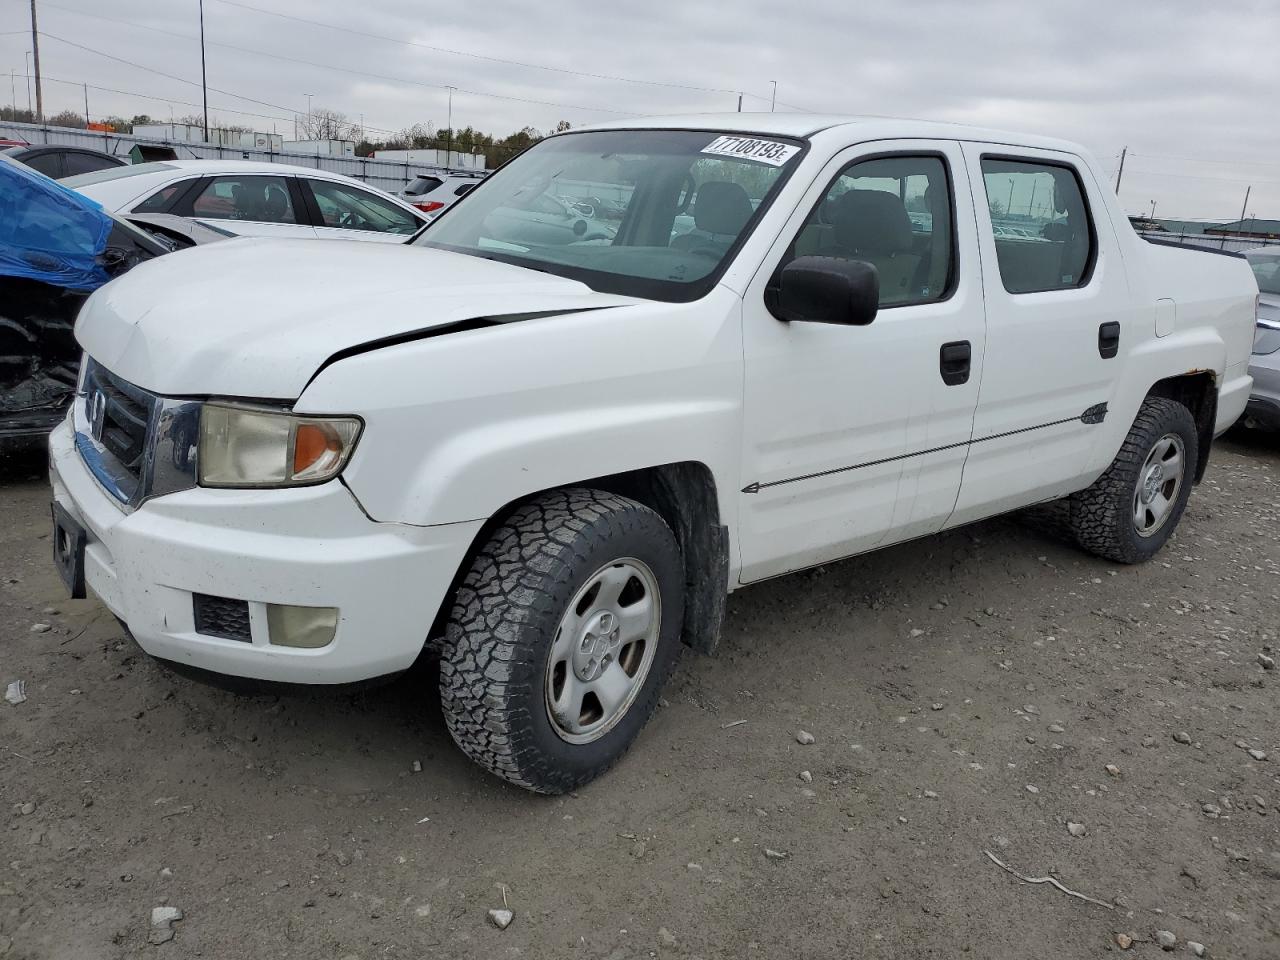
[[504, 618], [1102, 515]]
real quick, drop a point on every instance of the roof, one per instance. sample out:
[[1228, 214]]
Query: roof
[[249, 166], [804, 125]]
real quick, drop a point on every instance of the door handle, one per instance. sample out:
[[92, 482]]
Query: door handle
[[953, 361], [1108, 340]]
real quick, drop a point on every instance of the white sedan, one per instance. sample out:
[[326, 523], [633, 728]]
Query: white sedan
[[254, 199]]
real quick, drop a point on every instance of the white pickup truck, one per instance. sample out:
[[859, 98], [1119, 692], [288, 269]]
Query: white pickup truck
[[550, 453]]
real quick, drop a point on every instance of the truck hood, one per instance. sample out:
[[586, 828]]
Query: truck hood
[[257, 317]]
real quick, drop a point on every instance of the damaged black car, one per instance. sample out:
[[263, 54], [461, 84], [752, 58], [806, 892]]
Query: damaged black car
[[56, 248]]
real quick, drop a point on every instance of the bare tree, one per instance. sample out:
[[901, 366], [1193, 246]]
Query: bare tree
[[322, 124], [67, 118]]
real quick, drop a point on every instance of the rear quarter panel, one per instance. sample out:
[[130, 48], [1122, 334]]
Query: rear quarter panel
[[1211, 329]]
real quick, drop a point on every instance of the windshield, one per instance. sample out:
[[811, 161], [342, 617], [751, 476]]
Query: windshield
[[1266, 268], [649, 213]]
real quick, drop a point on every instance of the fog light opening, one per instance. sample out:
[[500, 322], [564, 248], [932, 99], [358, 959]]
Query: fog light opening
[[305, 627]]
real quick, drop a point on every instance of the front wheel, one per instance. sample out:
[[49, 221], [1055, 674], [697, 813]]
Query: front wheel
[[561, 636], [1133, 508]]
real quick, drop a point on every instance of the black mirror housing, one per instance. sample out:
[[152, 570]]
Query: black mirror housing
[[828, 290]]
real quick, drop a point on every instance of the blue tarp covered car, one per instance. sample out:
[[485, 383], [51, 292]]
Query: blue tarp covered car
[[56, 247]]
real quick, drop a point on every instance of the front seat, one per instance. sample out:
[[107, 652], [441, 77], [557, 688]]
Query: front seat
[[246, 200], [873, 225], [721, 209], [276, 206]]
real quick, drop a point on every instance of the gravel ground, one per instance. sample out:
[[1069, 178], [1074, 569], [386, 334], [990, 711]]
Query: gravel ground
[[990, 690]]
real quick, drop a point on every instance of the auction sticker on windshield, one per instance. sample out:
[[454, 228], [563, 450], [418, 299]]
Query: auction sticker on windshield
[[773, 152]]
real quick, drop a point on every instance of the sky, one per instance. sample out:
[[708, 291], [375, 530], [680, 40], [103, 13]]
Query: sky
[[1191, 88]]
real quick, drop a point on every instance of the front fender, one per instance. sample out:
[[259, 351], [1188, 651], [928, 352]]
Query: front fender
[[459, 426]]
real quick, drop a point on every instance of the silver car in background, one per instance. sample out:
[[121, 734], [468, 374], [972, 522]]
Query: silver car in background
[[434, 193], [1263, 410]]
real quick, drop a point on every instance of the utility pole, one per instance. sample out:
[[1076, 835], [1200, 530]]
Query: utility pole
[[1244, 206], [87, 121], [739, 100], [307, 131], [204, 80], [448, 154], [35, 50], [774, 101], [1120, 172], [1153, 211], [13, 95], [27, 56]]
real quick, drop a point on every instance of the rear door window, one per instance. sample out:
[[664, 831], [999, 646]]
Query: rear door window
[[50, 164], [1043, 234], [255, 199], [78, 163]]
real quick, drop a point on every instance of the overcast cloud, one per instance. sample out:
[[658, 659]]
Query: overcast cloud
[[1190, 87]]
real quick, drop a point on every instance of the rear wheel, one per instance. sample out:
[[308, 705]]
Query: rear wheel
[[1133, 508], [561, 636]]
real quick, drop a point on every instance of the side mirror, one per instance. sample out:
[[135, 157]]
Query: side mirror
[[828, 290]]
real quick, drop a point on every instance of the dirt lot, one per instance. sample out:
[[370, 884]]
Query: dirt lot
[[966, 693]]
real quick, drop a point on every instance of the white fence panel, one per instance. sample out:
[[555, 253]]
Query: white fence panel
[[389, 175]]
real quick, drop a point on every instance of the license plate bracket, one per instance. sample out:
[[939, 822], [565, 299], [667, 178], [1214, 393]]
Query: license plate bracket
[[69, 540]]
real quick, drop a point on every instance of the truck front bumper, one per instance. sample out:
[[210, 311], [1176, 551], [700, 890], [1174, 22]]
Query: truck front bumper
[[310, 546]]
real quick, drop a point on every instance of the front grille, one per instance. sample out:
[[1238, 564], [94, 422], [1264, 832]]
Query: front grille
[[137, 444], [121, 416], [222, 617]]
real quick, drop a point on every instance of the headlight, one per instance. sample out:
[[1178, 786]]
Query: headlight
[[251, 447], [1266, 339]]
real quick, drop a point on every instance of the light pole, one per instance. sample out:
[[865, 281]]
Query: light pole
[[448, 154], [31, 112], [307, 131], [204, 80], [774, 101], [1153, 211], [35, 55]]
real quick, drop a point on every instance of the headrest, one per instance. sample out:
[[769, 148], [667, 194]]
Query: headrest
[[247, 200], [872, 222], [721, 207], [276, 202]]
